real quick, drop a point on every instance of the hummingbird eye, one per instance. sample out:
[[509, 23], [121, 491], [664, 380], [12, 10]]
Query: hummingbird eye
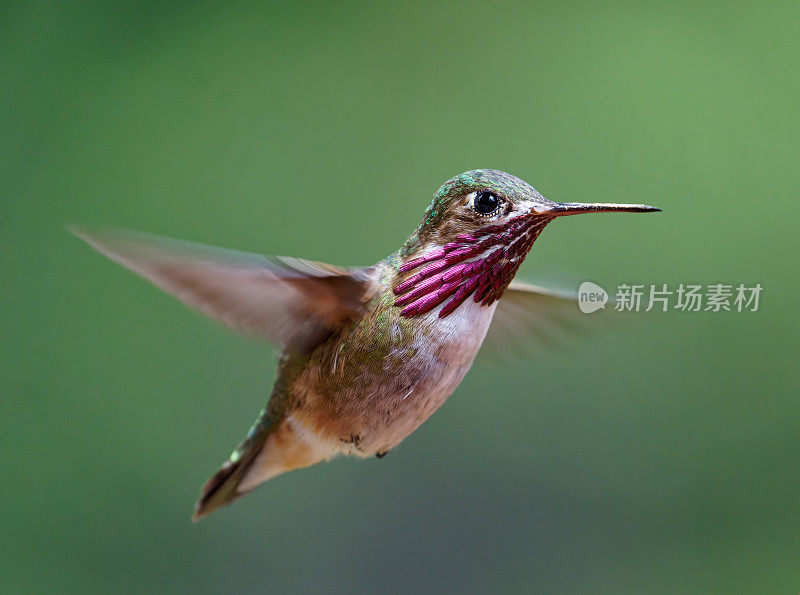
[[486, 203]]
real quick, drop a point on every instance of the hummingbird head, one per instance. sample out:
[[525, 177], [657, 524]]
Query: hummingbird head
[[476, 232]]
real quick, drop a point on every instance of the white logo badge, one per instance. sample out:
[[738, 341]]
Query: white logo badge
[[591, 297]]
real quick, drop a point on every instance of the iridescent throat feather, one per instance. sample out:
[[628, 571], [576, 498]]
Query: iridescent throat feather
[[479, 264]]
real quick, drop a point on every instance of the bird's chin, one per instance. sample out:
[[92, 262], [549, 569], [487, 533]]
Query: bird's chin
[[475, 266]]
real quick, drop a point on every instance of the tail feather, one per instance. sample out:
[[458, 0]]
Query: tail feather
[[272, 447], [223, 487]]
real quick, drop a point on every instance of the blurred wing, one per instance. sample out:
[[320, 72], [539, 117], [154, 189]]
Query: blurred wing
[[290, 302], [532, 316]]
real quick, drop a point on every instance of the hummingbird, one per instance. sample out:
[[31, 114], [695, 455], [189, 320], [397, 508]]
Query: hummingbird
[[366, 354]]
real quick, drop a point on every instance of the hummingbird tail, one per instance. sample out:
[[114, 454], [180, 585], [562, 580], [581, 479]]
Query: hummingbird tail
[[271, 447], [224, 486]]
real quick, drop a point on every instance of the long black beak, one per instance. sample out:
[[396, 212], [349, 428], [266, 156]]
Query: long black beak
[[578, 208]]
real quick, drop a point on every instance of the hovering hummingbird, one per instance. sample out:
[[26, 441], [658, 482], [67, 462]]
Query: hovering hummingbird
[[367, 354]]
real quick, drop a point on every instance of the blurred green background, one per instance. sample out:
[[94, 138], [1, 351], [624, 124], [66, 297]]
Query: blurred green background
[[657, 457]]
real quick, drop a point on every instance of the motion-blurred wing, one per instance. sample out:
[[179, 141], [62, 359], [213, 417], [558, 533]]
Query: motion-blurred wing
[[290, 302], [532, 316]]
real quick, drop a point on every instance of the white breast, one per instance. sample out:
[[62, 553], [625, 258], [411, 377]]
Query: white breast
[[464, 329]]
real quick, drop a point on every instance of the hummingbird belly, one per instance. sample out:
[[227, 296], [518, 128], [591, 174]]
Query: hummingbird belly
[[364, 391]]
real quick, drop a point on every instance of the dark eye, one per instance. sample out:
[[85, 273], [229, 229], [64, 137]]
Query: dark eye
[[486, 203]]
